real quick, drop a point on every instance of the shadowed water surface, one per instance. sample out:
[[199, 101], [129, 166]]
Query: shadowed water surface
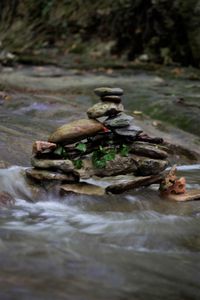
[[130, 246]]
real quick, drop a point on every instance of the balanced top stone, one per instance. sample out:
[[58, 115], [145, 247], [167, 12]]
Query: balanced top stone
[[106, 91], [75, 131]]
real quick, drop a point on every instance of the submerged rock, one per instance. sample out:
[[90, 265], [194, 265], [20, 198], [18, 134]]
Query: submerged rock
[[82, 188], [104, 109], [106, 91], [121, 120], [42, 175], [187, 196], [6, 199], [75, 131]]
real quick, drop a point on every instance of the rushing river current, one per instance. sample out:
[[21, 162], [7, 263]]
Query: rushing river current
[[129, 246]]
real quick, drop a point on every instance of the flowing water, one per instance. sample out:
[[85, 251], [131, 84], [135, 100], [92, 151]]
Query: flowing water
[[133, 246], [130, 246]]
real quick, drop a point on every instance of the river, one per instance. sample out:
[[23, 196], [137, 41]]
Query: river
[[134, 246]]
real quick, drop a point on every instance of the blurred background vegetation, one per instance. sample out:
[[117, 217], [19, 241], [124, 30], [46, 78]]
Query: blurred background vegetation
[[159, 31]]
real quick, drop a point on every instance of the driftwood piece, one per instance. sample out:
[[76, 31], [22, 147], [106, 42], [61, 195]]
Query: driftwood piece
[[136, 182]]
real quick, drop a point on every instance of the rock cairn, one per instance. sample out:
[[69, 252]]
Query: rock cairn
[[107, 143]]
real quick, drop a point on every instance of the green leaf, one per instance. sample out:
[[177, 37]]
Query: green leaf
[[78, 163], [110, 155], [59, 150], [100, 164], [81, 147], [124, 150]]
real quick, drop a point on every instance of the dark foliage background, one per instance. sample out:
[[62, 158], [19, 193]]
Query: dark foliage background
[[166, 31]]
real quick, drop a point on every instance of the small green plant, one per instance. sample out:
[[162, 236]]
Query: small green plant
[[101, 156], [81, 147], [60, 150], [78, 163], [124, 150]]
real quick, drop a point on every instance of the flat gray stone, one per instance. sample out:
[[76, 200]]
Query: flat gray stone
[[43, 175], [129, 131], [82, 188], [64, 165], [107, 91], [119, 121]]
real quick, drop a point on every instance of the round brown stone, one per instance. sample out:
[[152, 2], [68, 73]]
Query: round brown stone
[[75, 131]]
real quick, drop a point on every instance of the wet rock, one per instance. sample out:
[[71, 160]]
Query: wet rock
[[3, 164], [112, 98], [131, 131], [121, 120], [106, 91], [148, 166], [146, 138], [188, 196], [149, 150], [104, 109], [42, 175], [117, 166], [82, 188], [65, 165], [133, 183], [43, 147], [6, 199], [75, 131]]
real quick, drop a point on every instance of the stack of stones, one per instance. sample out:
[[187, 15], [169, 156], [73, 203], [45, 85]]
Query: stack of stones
[[107, 143]]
